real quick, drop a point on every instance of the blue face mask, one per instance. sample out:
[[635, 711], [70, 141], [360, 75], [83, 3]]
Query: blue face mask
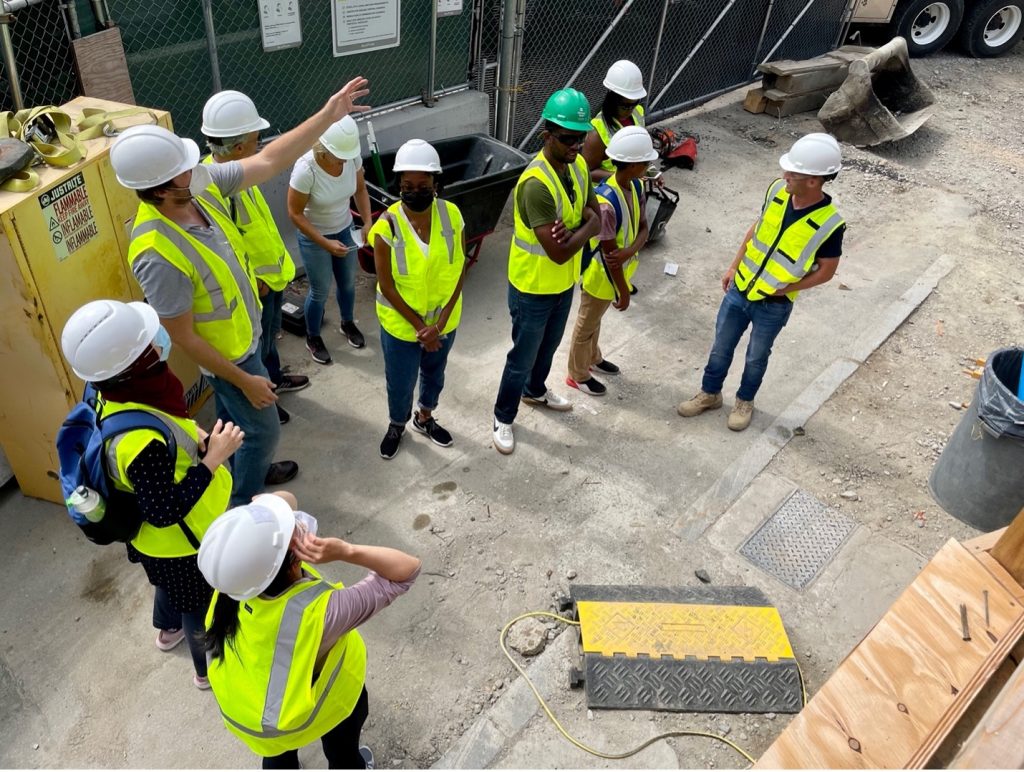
[[162, 341]]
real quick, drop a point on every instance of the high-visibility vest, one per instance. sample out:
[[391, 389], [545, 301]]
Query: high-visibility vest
[[529, 267], [219, 312], [268, 256], [596, 278], [605, 132], [776, 258], [172, 541], [426, 284], [268, 693]]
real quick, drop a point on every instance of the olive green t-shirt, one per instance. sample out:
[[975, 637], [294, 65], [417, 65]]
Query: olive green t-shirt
[[536, 204]]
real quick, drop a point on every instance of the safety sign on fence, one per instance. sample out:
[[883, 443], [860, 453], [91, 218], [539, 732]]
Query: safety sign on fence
[[365, 25], [280, 26], [68, 216]]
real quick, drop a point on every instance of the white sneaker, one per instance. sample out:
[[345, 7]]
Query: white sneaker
[[504, 440], [550, 400]]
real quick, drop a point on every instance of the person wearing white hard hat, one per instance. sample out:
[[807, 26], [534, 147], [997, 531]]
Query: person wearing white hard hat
[[621, 107], [615, 255], [322, 184], [191, 262], [794, 245], [232, 126], [419, 252], [287, 664], [122, 350]]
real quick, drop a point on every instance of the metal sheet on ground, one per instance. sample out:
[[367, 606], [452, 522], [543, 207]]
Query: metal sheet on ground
[[798, 541]]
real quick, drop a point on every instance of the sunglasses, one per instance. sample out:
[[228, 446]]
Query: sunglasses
[[570, 140], [627, 106]]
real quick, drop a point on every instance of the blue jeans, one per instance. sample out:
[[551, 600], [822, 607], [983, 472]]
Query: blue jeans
[[270, 323], [405, 360], [734, 316], [166, 618], [538, 322], [320, 264], [262, 430]]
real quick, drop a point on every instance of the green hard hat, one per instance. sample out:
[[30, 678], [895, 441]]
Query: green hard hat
[[568, 108]]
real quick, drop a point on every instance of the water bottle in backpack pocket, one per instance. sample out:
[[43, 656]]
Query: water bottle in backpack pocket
[[104, 513]]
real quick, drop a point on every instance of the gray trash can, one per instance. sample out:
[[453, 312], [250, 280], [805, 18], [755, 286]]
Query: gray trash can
[[979, 478]]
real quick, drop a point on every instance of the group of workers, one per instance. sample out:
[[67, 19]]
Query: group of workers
[[233, 566]]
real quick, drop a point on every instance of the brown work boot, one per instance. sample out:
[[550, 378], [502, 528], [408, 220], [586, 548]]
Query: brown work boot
[[699, 403], [742, 412]]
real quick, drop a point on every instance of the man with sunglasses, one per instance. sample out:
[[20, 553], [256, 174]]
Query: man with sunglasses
[[556, 214]]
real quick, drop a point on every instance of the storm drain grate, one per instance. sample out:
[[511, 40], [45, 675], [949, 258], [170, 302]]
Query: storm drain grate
[[795, 543]]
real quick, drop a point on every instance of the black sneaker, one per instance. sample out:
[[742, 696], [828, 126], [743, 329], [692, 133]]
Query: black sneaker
[[431, 428], [606, 367], [315, 346], [283, 415], [367, 755], [291, 383], [281, 472], [591, 386], [350, 331], [389, 445]]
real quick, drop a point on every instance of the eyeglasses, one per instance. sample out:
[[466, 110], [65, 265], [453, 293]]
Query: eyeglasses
[[570, 140], [410, 189], [627, 106]]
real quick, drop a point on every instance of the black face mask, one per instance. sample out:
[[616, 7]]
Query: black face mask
[[418, 200]]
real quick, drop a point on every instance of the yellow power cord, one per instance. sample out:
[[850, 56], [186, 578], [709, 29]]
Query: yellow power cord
[[587, 748]]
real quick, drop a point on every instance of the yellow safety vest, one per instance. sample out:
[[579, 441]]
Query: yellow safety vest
[[605, 132], [265, 684], [775, 258], [596, 280], [529, 267], [219, 313], [268, 256], [172, 541], [426, 284]]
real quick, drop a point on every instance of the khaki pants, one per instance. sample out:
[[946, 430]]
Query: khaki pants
[[585, 350]]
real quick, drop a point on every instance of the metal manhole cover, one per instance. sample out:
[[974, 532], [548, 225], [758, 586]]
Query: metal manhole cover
[[795, 543]]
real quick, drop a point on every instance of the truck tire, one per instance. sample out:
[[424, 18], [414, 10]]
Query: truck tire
[[926, 25], [992, 27]]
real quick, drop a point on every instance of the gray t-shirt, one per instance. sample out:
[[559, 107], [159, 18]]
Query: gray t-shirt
[[169, 291]]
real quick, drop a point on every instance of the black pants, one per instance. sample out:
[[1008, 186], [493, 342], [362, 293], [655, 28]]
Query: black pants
[[166, 618], [341, 744]]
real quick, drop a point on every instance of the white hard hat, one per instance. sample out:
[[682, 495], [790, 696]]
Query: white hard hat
[[243, 549], [631, 144], [146, 156], [103, 338], [417, 155], [231, 114], [816, 154], [342, 139], [625, 78]]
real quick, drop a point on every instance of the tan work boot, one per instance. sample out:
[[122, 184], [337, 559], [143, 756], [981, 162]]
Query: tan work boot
[[742, 412], [699, 403]]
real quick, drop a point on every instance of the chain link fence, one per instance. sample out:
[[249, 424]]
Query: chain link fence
[[689, 50], [169, 58], [43, 63]]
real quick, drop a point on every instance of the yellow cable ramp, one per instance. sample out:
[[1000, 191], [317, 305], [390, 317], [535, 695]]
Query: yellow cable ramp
[[594, 751]]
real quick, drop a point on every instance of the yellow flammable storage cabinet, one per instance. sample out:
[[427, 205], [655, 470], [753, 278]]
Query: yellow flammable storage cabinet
[[63, 244]]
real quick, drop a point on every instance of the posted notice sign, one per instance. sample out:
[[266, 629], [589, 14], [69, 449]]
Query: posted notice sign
[[68, 216], [365, 25], [449, 8], [280, 26]]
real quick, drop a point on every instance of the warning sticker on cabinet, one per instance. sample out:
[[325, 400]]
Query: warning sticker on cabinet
[[68, 216]]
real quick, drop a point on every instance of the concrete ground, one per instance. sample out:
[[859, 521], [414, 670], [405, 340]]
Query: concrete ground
[[621, 490]]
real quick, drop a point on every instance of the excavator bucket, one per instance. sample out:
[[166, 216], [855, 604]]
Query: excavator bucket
[[881, 99]]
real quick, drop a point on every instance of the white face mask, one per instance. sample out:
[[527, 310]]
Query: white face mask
[[201, 180]]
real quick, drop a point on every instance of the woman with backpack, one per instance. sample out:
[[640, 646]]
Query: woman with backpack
[[121, 349], [287, 664]]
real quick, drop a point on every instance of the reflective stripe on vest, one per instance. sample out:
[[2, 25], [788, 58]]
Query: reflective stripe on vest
[[183, 538], [426, 284], [272, 657], [596, 280], [605, 133], [775, 258], [529, 267], [219, 312]]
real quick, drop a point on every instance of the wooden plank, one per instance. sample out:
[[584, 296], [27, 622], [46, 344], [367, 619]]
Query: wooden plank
[[894, 693], [996, 741], [102, 67], [790, 105], [985, 542], [1009, 550], [804, 82], [755, 101]]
